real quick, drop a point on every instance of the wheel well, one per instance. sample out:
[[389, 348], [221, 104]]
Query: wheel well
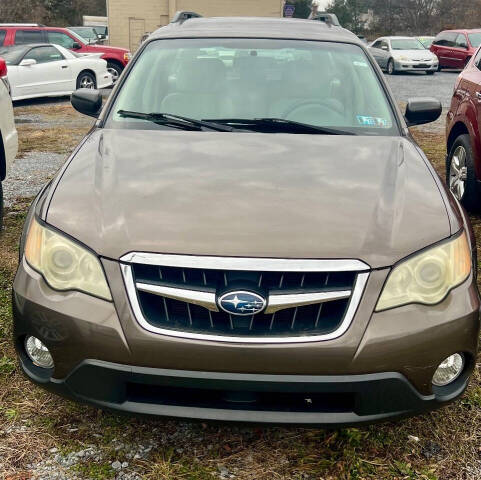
[[3, 160], [458, 129], [115, 62], [87, 71]]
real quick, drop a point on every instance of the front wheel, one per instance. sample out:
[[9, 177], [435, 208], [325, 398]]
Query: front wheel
[[115, 70], [391, 69], [86, 80], [460, 173], [430, 72]]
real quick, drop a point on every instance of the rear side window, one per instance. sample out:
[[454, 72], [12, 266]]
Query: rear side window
[[3, 34], [24, 37]]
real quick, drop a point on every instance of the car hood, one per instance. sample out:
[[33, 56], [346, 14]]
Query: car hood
[[414, 54], [104, 49], [250, 195]]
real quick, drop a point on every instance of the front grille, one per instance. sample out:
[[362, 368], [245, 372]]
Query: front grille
[[166, 313], [207, 279], [163, 312]]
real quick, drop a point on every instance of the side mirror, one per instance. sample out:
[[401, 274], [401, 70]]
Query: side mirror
[[76, 46], [87, 101], [422, 110], [28, 62]]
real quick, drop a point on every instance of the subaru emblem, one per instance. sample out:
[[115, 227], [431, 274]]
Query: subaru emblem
[[242, 303]]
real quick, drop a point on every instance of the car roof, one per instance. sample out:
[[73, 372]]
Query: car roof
[[256, 27]]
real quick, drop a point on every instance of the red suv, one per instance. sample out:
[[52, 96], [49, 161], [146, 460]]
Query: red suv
[[463, 130], [455, 48], [17, 34]]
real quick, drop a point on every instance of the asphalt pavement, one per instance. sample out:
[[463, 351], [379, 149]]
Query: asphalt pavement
[[418, 84]]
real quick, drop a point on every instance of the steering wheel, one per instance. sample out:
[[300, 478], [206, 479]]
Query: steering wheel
[[310, 103]]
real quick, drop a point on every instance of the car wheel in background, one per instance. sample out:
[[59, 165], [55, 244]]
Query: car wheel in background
[[86, 80], [114, 70], [429, 72], [391, 69], [460, 174]]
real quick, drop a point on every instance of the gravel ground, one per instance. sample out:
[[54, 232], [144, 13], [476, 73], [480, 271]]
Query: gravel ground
[[408, 85], [29, 174]]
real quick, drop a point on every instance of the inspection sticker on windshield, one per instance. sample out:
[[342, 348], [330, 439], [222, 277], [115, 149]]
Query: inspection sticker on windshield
[[373, 122], [357, 63]]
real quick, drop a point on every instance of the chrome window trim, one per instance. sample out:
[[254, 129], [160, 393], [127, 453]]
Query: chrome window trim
[[359, 287], [276, 303], [247, 264]]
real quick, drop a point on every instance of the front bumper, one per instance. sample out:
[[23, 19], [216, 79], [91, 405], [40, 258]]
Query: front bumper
[[416, 66], [380, 368], [273, 399]]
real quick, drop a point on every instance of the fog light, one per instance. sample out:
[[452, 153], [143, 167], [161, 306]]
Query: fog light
[[449, 370], [38, 353]]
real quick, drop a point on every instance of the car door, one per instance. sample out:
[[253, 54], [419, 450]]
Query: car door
[[50, 74], [460, 51], [378, 53], [443, 46]]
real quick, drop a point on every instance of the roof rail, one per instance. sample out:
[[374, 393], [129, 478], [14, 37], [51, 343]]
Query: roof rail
[[21, 25], [329, 18], [181, 17]]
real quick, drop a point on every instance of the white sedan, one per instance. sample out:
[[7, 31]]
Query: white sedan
[[45, 70]]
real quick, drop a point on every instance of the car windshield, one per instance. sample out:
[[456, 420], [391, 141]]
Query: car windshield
[[12, 55], [78, 37], [407, 44], [322, 84], [475, 39], [88, 33]]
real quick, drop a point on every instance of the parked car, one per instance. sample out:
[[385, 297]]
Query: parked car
[[455, 48], [330, 18], [8, 132], [401, 54], [463, 133], [234, 241], [426, 41], [44, 70], [90, 34], [116, 58]]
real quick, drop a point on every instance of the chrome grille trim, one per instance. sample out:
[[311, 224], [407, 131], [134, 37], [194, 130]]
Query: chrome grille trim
[[244, 264], [241, 263]]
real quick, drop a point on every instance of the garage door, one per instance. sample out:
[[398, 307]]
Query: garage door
[[136, 30]]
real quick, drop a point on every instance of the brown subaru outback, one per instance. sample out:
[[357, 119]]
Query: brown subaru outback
[[249, 233]]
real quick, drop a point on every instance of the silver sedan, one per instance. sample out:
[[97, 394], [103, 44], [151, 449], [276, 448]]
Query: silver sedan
[[399, 54]]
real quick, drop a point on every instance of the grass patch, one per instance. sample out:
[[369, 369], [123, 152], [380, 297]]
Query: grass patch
[[52, 139]]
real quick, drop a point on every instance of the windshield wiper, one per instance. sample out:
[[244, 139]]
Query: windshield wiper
[[280, 124], [175, 121]]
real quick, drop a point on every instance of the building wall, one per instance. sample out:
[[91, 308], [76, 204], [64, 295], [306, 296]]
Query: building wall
[[130, 19]]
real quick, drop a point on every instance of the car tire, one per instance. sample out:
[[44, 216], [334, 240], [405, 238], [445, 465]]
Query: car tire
[[115, 70], [86, 80], [460, 174], [429, 72], [391, 68]]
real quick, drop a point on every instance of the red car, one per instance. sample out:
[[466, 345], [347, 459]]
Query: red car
[[463, 128], [455, 48], [17, 34]]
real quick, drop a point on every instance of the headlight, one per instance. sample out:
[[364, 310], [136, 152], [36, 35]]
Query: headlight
[[64, 264], [429, 276], [403, 58]]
